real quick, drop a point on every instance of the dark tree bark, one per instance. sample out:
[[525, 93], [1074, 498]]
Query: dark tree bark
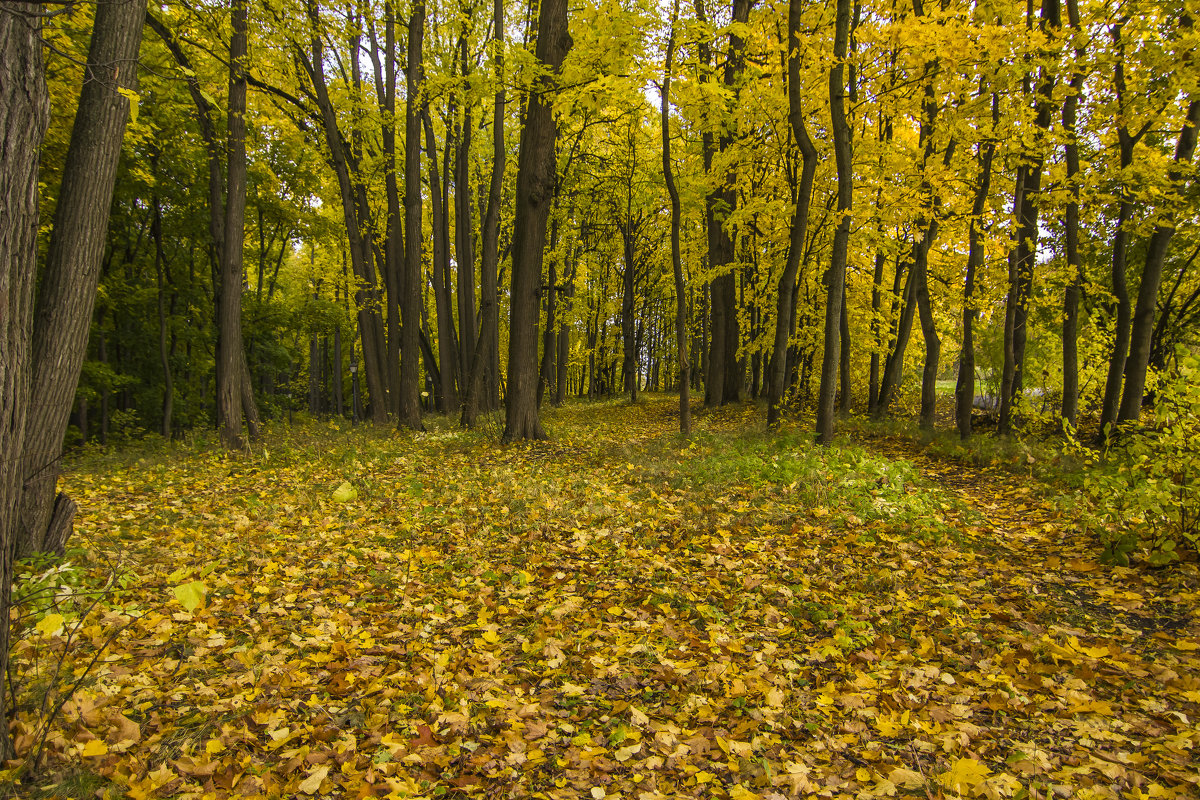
[[384, 64], [357, 220], [1024, 257], [1152, 268], [410, 304], [835, 279], [163, 279], [537, 184], [1070, 329], [67, 289], [24, 114], [964, 388], [447, 357], [464, 246], [777, 369], [681, 343], [229, 305], [1120, 247], [481, 389]]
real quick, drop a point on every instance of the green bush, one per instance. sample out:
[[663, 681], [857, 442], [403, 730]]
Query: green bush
[[1142, 494]]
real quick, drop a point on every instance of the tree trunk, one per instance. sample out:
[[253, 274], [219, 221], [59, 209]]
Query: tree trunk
[[681, 343], [163, 279], [464, 247], [1025, 255], [1070, 329], [537, 183], [836, 277], [777, 369], [485, 360], [24, 113], [447, 357], [410, 342], [229, 306], [1156, 255], [964, 388], [1120, 251], [67, 288]]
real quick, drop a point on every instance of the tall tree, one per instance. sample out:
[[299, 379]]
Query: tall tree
[[537, 184], [67, 288], [835, 279], [1023, 258], [681, 342], [1074, 291], [1152, 268], [481, 389], [410, 342], [24, 114], [230, 376], [777, 369]]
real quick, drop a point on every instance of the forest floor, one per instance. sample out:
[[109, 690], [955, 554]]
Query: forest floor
[[617, 612]]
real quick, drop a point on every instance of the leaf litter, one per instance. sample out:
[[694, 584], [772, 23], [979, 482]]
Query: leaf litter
[[616, 613]]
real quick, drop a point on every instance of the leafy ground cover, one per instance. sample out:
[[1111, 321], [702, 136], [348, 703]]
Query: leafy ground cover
[[615, 613]]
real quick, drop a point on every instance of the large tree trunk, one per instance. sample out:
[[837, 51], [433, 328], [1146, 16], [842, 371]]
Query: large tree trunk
[[67, 290], [410, 342], [1156, 256], [24, 113], [681, 343], [835, 279], [777, 368], [229, 305], [537, 183]]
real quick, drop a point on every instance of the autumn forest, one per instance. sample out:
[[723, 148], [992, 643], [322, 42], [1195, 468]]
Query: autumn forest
[[721, 398]]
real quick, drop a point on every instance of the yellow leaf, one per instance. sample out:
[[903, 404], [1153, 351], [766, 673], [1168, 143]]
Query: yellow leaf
[[491, 637], [312, 783], [967, 773], [95, 747], [191, 595], [862, 774], [597, 793], [623, 754], [50, 625], [345, 493], [907, 778], [704, 777]]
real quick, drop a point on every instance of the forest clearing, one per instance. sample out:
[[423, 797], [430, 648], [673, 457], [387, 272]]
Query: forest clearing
[[607, 398], [619, 612]]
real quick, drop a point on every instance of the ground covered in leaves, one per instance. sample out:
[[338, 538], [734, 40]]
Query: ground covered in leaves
[[618, 612]]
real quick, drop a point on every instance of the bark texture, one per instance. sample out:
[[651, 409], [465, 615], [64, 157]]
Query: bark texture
[[67, 290], [537, 183], [24, 113]]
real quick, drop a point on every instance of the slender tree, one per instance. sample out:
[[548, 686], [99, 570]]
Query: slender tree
[[777, 368], [835, 279], [681, 343], [410, 306]]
